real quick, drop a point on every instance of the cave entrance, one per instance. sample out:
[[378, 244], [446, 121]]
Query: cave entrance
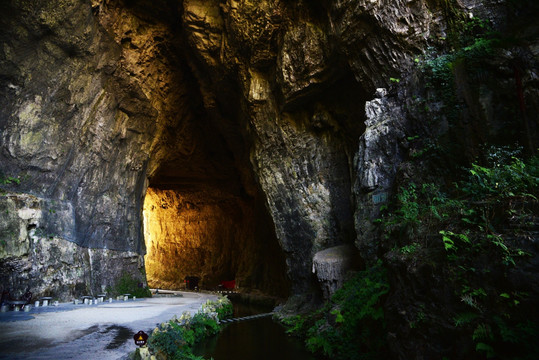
[[212, 234], [204, 216]]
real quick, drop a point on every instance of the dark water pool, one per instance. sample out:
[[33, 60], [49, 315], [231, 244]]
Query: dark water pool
[[259, 339]]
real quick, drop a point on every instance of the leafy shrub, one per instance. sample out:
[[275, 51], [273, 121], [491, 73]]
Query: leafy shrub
[[175, 339], [169, 340], [481, 227], [416, 208], [127, 284], [351, 326], [505, 175], [222, 307]]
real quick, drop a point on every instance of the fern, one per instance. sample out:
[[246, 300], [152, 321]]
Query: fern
[[489, 350], [482, 332], [465, 318]]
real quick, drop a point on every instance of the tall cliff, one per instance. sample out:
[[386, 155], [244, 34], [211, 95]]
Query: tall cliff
[[238, 139]]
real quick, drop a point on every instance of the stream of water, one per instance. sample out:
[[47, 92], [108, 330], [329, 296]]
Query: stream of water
[[261, 339]]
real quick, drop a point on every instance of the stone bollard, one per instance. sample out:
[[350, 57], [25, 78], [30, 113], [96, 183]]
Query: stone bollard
[[3, 308], [126, 298], [56, 303], [27, 308], [85, 301], [118, 297], [36, 304], [76, 301], [110, 300], [134, 298], [45, 302]]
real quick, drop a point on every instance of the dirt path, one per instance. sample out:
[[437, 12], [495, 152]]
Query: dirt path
[[103, 331]]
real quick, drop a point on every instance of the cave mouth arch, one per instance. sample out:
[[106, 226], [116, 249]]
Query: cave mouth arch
[[204, 214], [201, 230]]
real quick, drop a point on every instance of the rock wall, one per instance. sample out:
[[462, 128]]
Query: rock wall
[[214, 236], [72, 128], [272, 122], [75, 131], [36, 256]]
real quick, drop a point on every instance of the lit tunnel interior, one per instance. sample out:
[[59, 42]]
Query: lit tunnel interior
[[203, 212], [210, 234]]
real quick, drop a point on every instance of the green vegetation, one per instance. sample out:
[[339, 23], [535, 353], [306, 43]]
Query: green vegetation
[[127, 284], [351, 325], [174, 340], [11, 181], [458, 61], [483, 222], [418, 207], [8, 180]]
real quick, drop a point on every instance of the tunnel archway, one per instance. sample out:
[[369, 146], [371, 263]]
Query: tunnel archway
[[204, 214], [206, 232]]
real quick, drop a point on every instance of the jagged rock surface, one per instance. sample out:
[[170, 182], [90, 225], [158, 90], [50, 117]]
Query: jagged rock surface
[[382, 148], [35, 255], [267, 107]]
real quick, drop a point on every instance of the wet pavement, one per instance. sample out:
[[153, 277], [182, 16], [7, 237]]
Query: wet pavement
[[102, 331]]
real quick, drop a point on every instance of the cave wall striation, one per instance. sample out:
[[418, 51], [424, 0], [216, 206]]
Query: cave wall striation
[[261, 134]]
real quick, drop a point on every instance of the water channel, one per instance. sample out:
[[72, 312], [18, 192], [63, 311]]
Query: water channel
[[261, 339]]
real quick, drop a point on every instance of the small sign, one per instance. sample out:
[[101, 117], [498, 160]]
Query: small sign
[[140, 338], [379, 198]]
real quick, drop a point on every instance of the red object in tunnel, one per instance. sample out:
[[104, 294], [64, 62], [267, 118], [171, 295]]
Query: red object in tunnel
[[228, 284]]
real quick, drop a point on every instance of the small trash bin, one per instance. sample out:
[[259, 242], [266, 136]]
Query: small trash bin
[[191, 282]]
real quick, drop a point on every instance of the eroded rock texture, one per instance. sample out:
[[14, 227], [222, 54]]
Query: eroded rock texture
[[36, 256], [212, 235], [74, 130], [260, 132], [331, 266]]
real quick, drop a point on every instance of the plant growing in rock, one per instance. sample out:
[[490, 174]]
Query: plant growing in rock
[[8, 180], [484, 227], [351, 325], [128, 284]]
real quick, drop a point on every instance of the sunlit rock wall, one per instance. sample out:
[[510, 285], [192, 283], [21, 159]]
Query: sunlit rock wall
[[212, 235]]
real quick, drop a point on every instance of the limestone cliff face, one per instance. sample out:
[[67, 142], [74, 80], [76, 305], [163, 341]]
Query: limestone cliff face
[[76, 131], [251, 127], [303, 72]]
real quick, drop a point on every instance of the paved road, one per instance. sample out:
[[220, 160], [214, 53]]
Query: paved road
[[81, 332]]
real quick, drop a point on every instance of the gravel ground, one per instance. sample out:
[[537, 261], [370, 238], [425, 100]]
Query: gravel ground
[[103, 331]]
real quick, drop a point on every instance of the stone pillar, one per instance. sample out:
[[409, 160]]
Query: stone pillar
[[331, 265]]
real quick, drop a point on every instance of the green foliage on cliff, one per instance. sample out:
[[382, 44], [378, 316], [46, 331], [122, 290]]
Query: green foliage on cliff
[[10, 181], [7, 180], [485, 223], [448, 67], [351, 325], [127, 284]]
